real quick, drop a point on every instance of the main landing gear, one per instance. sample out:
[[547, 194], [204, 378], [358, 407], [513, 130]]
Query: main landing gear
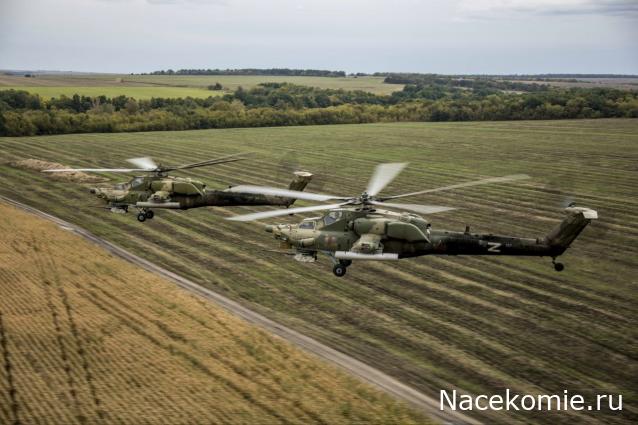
[[340, 268], [559, 267], [145, 214]]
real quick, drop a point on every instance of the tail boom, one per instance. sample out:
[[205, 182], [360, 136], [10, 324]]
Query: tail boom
[[465, 243]]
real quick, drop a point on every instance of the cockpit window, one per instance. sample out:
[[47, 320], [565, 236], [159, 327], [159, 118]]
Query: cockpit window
[[122, 186], [307, 225], [332, 217], [137, 182]]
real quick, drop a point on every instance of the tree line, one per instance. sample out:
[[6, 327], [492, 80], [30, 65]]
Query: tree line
[[486, 85], [253, 71], [282, 104]]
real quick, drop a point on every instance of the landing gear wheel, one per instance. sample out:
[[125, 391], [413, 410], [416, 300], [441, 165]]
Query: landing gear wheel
[[339, 270], [141, 217], [559, 267], [149, 214]]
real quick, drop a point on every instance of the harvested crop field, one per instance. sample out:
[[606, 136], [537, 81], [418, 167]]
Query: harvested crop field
[[135, 92], [89, 338], [71, 176], [477, 324], [147, 86]]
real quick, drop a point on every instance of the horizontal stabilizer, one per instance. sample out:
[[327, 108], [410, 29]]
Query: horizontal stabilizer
[[587, 212], [350, 255]]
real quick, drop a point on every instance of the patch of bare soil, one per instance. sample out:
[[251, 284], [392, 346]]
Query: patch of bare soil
[[74, 176]]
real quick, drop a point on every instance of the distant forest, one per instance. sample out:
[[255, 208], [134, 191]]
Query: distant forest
[[283, 104], [511, 76], [476, 84], [252, 71]]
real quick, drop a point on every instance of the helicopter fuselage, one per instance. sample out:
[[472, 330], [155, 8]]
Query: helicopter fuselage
[[366, 234], [167, 192]]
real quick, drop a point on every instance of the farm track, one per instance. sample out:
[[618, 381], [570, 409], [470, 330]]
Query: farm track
[[123, 312], [472, 323]]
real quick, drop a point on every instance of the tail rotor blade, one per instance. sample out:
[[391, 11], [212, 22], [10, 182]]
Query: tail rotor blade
[[383, 175]]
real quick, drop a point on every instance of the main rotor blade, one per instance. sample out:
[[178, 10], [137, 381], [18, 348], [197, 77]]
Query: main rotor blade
[[215, 161], [503, 179], [144, 162], [421, 209], [273, 191], [383, 175], [277, 213], [97, 170]]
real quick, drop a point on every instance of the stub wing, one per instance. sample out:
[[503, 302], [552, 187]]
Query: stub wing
[[350, 255], [165, 205]]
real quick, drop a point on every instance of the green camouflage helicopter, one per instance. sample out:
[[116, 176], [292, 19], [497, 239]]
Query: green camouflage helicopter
[[357, 229], [158, 190]]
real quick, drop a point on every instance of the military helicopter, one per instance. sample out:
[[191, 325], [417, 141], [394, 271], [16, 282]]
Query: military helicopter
[[357, 229], [158, 190]]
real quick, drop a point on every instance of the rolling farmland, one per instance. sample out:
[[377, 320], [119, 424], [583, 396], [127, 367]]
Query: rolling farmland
[[89, 338], [477, 324], [136, 92], [232, 82], [605, 83], [147, 86]]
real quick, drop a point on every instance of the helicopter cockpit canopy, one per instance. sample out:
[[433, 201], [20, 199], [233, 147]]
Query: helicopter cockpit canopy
[[137, 183], [331, 217], [308, 224], [122, 186]]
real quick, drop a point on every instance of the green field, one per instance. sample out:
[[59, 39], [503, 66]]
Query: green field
[[591, 83], [477, 324], [113, 91], [146, 86], [231, 82]]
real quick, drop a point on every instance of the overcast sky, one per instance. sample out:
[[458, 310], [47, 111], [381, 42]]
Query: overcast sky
[[442, 36]]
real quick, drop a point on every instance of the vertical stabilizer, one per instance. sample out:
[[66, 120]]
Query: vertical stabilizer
[[299, 183], [564, 234]]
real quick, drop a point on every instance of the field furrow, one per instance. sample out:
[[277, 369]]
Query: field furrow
[[479, 324]]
